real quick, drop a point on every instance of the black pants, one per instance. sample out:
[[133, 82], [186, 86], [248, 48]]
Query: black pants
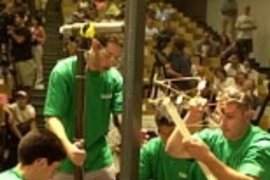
[[245, 46]]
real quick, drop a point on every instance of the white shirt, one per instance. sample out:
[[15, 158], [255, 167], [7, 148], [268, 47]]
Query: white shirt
[[151, 31], [233, 71], [252, 74], [220, 85], [244, 21], [22, 115]]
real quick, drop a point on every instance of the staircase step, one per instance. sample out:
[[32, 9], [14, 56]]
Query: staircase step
[[38, 102], [39, 110]]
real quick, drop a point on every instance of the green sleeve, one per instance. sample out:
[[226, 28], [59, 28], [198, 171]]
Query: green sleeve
[[257, 161], [57, 92], [117, 104], [146, 160]]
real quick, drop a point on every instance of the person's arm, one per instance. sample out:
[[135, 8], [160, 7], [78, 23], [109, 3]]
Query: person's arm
[[174, 145], [117, 100], [172, 72], [32, 117], [55, 106], [12, 123], [55, 125], [172, 64], [199, 151], [43, 38], [14, 128], [18, 36]]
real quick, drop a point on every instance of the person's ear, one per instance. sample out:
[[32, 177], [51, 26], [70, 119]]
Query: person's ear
[[95, 44], [41, 162], [249, 114]]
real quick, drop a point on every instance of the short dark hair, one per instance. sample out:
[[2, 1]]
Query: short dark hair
[[221, 70], [179, 43], [40, 144], [104, 39], [162, 120]]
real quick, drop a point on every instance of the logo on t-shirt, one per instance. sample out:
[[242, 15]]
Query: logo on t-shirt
[[183, 175], [106, 96]]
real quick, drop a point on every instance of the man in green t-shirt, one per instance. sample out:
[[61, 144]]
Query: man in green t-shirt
[[236, 151], [156, 164], [40, 154], [103, 97]]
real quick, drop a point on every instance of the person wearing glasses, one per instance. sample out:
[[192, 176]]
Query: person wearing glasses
[[104, 97], [155, 163], [236, 151]]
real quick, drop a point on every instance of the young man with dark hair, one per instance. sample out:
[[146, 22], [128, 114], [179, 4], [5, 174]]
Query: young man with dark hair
[[155, 163], [236, 151], [40, 153], [104, 96]]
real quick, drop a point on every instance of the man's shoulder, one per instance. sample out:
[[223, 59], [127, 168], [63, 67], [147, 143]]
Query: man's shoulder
[[114, 74], [153, 143], [64, 65], [260, 137], [210, 135], [13, 105]]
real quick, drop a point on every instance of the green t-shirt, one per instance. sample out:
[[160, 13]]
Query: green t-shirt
[[11, 174], [156, 164], [249, 155], [104, 96]]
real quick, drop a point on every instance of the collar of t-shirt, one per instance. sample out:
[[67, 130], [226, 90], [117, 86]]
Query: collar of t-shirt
[[17, 173]]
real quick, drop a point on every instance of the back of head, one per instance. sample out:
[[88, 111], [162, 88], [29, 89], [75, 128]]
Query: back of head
[[161, 120], [40, 144], [179, 43]]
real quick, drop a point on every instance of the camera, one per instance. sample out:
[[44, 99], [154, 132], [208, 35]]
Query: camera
[[5, 21]]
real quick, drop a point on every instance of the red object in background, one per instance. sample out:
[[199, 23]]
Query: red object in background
[[3, 99]]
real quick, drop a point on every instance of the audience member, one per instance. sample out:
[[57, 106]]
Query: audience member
[[221, 80], [179, 64], [234, 66], [245, 25], [38, 40], [205, 47], [229, 15]]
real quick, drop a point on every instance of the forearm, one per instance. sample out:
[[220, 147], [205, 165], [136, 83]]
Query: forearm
[[55, 125], [17, 38], [223, 172], [33, 125], [16, 131], [174, 145], [175, 74]]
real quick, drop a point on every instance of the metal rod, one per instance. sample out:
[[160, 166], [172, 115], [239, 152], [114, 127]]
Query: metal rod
[[80, 103], [133, 85]]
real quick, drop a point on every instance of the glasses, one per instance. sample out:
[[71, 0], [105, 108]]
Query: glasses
[[108, 54]]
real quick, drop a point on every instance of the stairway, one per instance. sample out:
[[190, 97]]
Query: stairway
[[52, 53]]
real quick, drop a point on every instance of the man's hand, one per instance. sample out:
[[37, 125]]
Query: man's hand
[[76, 153], [10, 30], [196, 109], [197, 149], [144, 137]]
